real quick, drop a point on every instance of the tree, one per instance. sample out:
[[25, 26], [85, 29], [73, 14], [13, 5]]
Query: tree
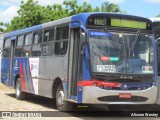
[[29, 14], [97, 9], [1, 29], [158, 15], [110, 7], [73, 8]]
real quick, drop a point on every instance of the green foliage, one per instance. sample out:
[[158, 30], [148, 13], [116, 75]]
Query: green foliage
[[1, 29], [110, 7], [97, 9], [31, 13], [158, 15]]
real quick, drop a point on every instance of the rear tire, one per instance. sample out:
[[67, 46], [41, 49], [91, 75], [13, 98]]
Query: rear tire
[[61, 104], [20, 95]]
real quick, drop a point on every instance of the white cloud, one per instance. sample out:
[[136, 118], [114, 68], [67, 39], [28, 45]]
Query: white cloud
[[41, 2], [12, 6], [115, 1], [153, 1], [8, 14]]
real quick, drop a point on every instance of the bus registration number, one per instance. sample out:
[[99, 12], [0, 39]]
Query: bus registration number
[[106, 68], [125, 95]]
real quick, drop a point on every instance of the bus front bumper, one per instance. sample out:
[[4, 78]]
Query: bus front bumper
[[96, 95]]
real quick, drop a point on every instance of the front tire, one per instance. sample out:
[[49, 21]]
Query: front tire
[[61, 104], [20, 95]]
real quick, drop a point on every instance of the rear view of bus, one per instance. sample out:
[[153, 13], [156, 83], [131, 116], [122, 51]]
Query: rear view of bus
[[119, 62]]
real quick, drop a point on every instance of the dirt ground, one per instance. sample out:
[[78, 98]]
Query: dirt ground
[[8, 102]]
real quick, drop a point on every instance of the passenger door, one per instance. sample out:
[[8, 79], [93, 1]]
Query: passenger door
[[7, 61], [74, 63]]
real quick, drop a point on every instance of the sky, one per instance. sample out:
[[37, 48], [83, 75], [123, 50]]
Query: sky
[[144, 8]]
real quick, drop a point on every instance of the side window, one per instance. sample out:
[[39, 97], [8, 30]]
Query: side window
[[46, 36], [20, 41], [37, 37], [6, 49], [48, 49], [47, 46], [27, 47], [7, 43], [19, 47], [61, 42], [26, 51], [36, 48], [28, 39]]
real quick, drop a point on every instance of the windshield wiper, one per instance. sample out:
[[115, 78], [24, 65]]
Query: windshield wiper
[[135, 40], [112, 42]]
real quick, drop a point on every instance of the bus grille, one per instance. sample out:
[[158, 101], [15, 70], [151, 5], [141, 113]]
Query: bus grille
[[116, 98]]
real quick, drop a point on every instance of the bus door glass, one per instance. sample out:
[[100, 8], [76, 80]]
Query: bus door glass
[[74, 63]]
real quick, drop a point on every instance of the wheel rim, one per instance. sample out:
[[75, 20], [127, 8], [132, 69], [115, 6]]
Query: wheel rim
[[60, 98], [18, 89]]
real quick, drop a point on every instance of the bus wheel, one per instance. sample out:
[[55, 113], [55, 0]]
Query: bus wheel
[[61, 104], [19, 94]]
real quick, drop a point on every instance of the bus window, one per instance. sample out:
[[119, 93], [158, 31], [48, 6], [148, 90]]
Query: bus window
[[61, 48], [27, 51], [46, 36], [6, 52], [20, 41], [36, 50], [28, 39], [7, 43], [19, 47], [49, 35], [37, 38], [27, 47], [47, 49], [18, 52], [58, 33], [65, 32], [61, 42]]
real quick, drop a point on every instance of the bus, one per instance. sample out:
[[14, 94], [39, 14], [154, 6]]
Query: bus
[[88, 58], [156, 31], [1, 46]]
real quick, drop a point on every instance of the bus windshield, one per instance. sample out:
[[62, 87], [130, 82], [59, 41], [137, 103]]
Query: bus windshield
[[120, 52]]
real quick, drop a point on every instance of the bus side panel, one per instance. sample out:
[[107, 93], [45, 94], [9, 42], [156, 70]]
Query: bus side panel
[[50, 68], [22, 67], [5, 71]]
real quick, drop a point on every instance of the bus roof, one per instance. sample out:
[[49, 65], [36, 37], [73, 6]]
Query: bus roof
[[82, 18]]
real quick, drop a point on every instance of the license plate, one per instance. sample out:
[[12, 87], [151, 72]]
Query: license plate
[[125, 95]]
